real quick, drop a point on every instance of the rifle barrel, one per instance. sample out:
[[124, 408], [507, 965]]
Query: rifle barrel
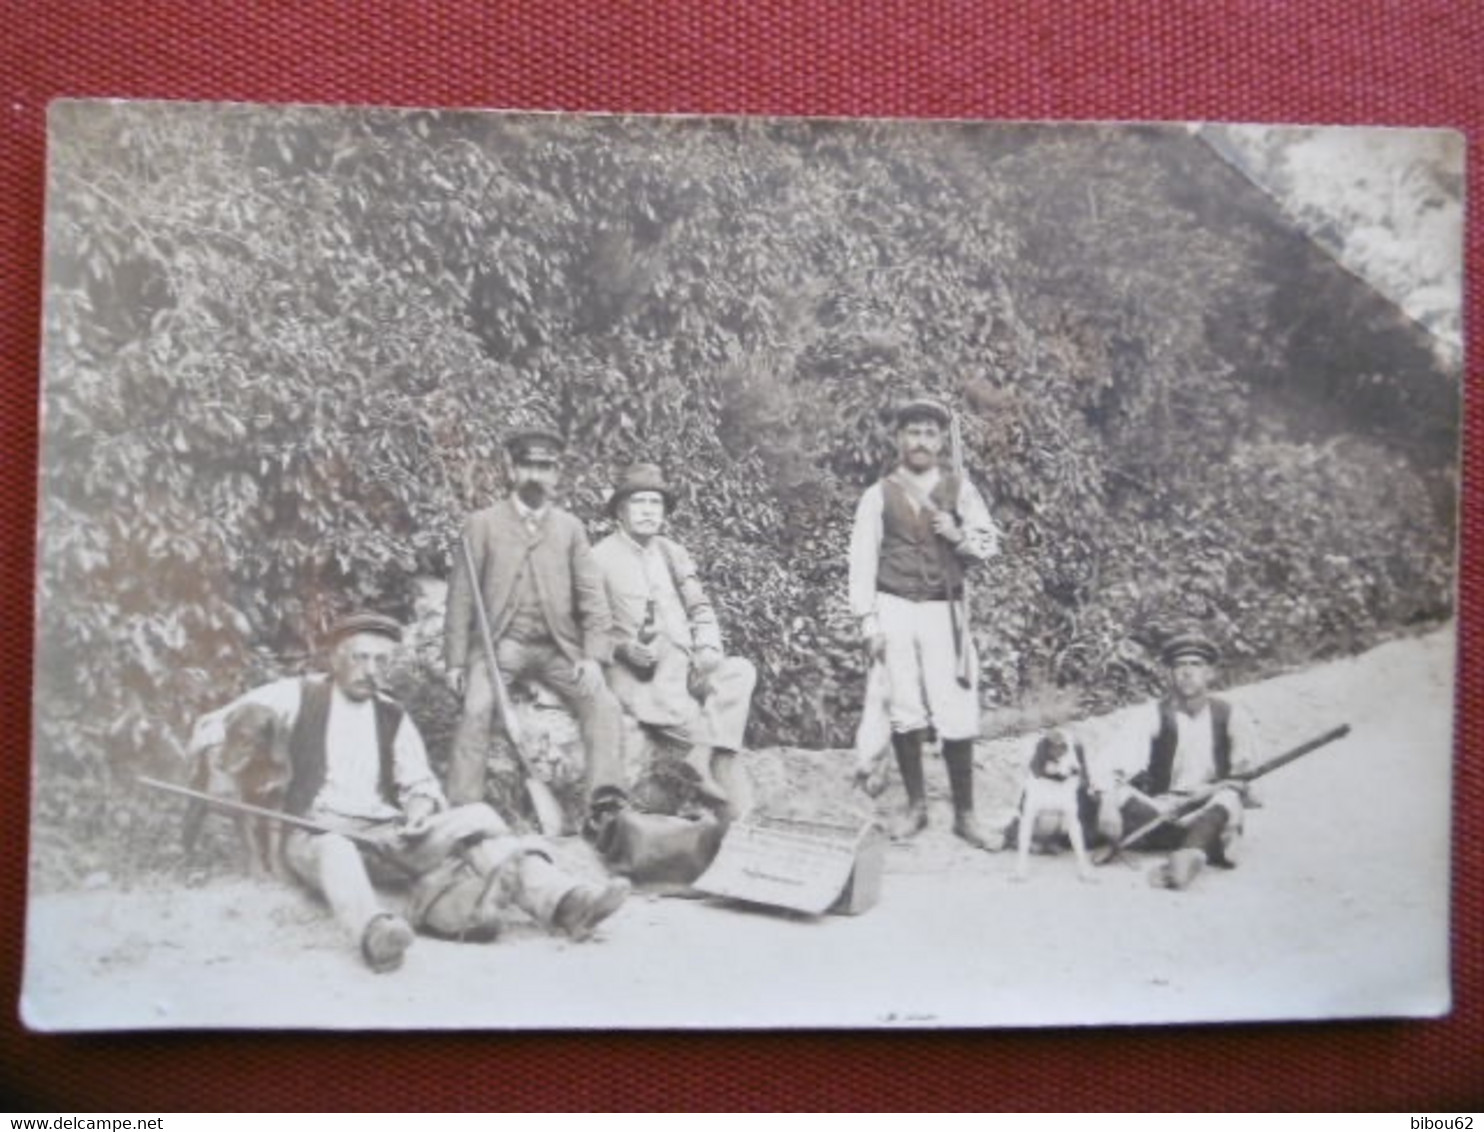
[[247, 808], [1196, 801]]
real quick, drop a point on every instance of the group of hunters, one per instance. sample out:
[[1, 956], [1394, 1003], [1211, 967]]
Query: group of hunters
[[626, 627]]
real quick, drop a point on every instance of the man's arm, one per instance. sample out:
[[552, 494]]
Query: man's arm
[[418, 791], [594, 617], [1126, 754], [705, 628], [865, 553], [1246, 749]]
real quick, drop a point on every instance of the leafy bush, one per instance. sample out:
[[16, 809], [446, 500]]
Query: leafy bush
[[282, 347]]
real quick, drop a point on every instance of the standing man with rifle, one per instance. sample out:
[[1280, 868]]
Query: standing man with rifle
[[1188, 745], [363, 806], [915, 534], [548, 616]]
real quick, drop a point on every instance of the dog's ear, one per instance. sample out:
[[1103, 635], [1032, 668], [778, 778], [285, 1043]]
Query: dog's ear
[[1045, 752]]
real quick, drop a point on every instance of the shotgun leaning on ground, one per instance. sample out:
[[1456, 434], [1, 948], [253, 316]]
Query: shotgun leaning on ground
[[1200, 798], [549, 816]]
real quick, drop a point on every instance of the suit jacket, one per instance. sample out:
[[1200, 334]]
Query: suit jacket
[[567, 581]]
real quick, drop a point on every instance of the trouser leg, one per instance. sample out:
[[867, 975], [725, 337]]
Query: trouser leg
[[467, 759], [331, 866], [540, 886], [726, 699], [599, 718]]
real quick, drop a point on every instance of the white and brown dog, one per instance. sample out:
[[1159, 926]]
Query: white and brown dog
[[1051, 800], [250, 765]]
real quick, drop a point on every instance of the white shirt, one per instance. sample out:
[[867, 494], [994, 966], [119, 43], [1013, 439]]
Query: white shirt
[[352, 758]]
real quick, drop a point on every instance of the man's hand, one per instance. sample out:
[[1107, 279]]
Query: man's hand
[[873, 638], [640, 656], [458, 678], [946, 527], [589, 677], [1241, 788], [418, 819], [705, 661]]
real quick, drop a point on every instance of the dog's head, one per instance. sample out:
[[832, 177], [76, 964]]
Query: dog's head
[[1055, 757]]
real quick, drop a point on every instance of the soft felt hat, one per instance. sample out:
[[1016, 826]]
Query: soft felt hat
[[637, 478]]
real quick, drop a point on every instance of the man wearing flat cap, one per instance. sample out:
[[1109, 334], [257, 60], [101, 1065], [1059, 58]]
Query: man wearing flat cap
[[548, 613], [916, 533], [1186, 742], [357, 769], [670, 671]]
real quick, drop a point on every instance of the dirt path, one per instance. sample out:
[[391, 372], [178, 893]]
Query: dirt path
[[1339, 908]]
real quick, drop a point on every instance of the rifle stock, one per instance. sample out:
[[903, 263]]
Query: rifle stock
[[549, 816]]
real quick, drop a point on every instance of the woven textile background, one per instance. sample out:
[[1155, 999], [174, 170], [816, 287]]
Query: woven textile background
[[1391, 62]]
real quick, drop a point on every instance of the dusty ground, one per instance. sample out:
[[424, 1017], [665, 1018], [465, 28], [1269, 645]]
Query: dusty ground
[[1339, 908]]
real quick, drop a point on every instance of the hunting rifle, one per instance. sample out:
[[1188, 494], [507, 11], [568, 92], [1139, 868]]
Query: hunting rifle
[[963, 638], [231, 805], [1189, 805], [549, 815]]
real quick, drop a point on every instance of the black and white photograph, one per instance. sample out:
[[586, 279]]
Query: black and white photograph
[[545, 571]]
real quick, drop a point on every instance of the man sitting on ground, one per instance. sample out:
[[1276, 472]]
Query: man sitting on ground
[[358, 768], [1187, 742]]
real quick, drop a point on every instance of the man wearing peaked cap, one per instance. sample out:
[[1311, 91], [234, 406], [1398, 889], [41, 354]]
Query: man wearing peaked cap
[[357, 768], [917, 531], [1187, 741], [548, 613], [671, 671], [922, 409]]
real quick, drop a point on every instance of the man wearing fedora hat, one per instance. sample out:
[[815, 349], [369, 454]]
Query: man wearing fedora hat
[[359, 771], [548, 613], [916, 531], [1188, 741], [671, 671]]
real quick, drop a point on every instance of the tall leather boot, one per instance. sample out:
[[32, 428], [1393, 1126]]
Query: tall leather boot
[[913, 820], [959, 755]]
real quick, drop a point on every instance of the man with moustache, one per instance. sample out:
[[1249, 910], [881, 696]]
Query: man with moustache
[[359, 771], [548, 614], [670, 670], [916, 531]]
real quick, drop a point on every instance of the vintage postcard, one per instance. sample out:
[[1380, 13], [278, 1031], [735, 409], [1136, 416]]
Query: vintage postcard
[[506, 570]]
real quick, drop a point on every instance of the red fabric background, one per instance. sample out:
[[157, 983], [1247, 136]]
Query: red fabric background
[[1390, 62]]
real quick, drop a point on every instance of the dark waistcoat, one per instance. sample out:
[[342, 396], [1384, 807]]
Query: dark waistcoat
[[1162, 748], [307, 745], [915, 563]]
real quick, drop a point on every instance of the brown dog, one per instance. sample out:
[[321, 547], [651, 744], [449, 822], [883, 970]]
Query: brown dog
[[250, 765]]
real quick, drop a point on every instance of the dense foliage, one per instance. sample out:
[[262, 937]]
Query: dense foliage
[[282, 347]]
